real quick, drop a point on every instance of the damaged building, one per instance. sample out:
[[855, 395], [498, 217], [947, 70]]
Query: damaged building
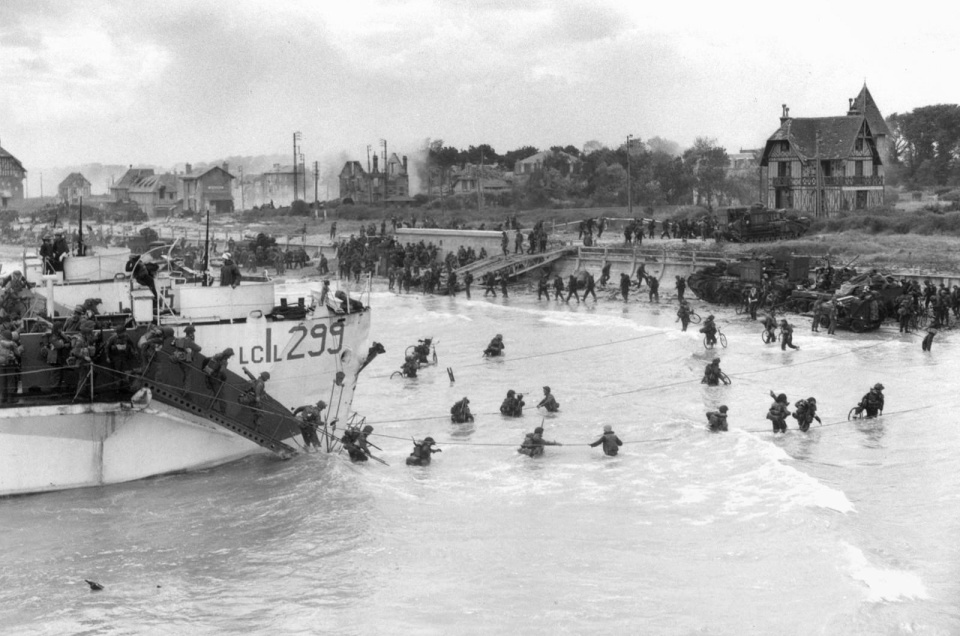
[[391, 185]]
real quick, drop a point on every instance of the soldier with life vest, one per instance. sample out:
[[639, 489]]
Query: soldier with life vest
[[709, 329], [770, 326], [681, 287], [712, 375], [410, 367], [512, 405], [422, 350], [533, 443], [806, 412], [786, 335], [215, 369], [624, 285], [717, 420], [489, 283], [422, 451], [779, 412], [557, 287], [460, 412], [543, 287], [591, 288], [185, 350], [356, 444], [467, 281], [121, 354], [549, 402], [309, 417], [495, 348], [611, 443], [683, 315], [11, 353], [54, 349], [253, 396], [872, 402]]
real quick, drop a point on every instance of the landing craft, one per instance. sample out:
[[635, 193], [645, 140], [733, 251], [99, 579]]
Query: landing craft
[[104, 427]]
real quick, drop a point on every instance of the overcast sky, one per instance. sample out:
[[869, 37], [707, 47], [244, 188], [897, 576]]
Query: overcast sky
[[194, 80]]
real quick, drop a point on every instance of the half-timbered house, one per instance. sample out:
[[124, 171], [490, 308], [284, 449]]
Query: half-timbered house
[[823, 165]]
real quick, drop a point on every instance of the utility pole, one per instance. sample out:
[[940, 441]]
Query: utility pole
[[316, 184], [242, 206], [296, 137], [480, 185], [629, 185], [369, 178], [383, 142], [303, 167]]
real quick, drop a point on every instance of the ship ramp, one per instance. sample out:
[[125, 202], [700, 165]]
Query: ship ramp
[[512, 266]]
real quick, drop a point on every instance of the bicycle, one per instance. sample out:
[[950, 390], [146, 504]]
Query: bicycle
[[722, 339], [768, 336], [694, 318], [856, 413]]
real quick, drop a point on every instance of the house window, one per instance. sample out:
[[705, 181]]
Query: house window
[[783, 168], [859, 144], [876, 170], [784, 146], [858, 168]]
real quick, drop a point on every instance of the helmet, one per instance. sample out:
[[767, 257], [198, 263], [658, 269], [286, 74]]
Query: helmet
[[265, 375], [607, 428], [367, 429], [190, 329], [783, 321], [227, 352], [466, 400], [78, 308], [499, 336], [511, 393], [120, 328], [547, 389], [538, 430], [710, 317], [321, 404], [878, 387], [428, 440], [723, 408], [716, 360], [227, 255], [812, 400], [782, 397]]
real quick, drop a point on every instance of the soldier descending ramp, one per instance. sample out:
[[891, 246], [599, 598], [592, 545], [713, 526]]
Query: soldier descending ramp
[[185, 386]]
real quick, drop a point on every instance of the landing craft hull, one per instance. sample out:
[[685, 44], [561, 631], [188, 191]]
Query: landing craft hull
[[48, 448]]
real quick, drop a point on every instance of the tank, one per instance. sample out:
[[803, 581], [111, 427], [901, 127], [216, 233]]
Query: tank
[[757, 223]]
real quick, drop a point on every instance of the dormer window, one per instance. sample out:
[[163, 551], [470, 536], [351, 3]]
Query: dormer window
[[859, 144]]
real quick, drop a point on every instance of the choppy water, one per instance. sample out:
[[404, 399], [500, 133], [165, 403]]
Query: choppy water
[[851, 529]]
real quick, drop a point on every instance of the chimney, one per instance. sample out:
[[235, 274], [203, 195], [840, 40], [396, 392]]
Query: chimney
[[188, 169], [375, 164], [853, 107], [786, 114], [404, 164]]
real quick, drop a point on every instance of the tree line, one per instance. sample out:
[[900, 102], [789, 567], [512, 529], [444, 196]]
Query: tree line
[[649, 173], [925, 146]]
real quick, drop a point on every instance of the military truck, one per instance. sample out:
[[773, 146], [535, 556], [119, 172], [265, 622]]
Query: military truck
[[757, 223]]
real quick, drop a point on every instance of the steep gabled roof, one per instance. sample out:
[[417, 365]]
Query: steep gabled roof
[[6, 155], [74, 179], [154, 182], [131, 176], [352, 169], [823, 137], [200, 175], [865, 104]]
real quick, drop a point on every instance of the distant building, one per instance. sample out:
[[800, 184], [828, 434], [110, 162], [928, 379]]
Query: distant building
[[744, 163], [471, 179], [207, 190], [121, 189], [73, 188], [157, 195], [562, 161], [276, 186], [12, 174], [823, 165], [391, 186]]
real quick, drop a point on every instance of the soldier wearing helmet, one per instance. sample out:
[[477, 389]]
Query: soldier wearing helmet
[[422, 451], [460, 412], [709, 329], [549, 402], [872, 402], [712, 375], [356, 444], [779, 412], [533, 443], [806, 412], [513, 404], [717, 420], [309, 417]]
